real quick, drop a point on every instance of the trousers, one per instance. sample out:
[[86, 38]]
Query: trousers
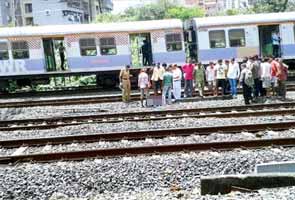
[[233, 87], [282, 88], [166, 91], [188, 88], [126, 90], [177, 89], [247, 93]]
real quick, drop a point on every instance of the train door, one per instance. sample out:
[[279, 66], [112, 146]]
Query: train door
[[49, 55], [55, 54], [141, 49], [265, 38], [191, 46]]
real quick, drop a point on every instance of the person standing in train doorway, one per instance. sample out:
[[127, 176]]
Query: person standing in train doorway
[[276, 40], [61, 50], [146, 57], [124, 78]]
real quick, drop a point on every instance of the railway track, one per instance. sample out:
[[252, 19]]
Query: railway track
[[111, 152], [218, 112], [82, 100]]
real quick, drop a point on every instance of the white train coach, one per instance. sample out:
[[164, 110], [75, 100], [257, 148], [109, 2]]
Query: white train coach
[[88, 47], [226, 37]]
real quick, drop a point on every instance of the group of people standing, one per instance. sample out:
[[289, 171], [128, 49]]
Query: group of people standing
[[166, 80], [264, 77], [258, 77]]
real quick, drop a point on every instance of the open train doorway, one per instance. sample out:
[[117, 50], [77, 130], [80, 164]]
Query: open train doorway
[[55, 54], [141, 49], [267, 34]]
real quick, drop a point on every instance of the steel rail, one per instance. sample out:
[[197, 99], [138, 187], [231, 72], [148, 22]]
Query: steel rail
[[47, 123], [132, 151], [138, 135], [81, 100], [197, 116]]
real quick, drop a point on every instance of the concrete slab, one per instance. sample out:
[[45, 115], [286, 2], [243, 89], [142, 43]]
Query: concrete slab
[[223, 184], [276, 167]]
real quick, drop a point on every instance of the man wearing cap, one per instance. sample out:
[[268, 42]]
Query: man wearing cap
[[125, 82]]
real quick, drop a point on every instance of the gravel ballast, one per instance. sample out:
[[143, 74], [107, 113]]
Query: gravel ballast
[[215, 137], [142, 174], [144, 125]]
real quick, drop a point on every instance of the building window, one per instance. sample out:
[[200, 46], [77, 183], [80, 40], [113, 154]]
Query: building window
[[28, 8], [236, 38], [20, 50], [217, 39], [88, 47], [108, 46], [173, 42], [4, 51], [29, 21]]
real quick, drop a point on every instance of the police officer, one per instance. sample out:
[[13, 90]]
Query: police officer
[[125, 82]]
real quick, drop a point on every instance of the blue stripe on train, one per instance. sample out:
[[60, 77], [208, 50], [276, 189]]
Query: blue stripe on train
[[288, 50], [216, 54], [170, 57]]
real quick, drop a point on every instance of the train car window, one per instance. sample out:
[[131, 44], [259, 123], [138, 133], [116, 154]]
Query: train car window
[[236, 37], [4, 55], [88, 47], [20, 50], [173, 42], [217, 39], [108, 46]]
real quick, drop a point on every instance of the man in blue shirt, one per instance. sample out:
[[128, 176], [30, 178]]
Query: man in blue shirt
[[276, 40]]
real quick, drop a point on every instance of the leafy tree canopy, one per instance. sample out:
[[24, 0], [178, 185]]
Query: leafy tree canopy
[[168, 9], [184, 13], [161, 10], [265, 6]]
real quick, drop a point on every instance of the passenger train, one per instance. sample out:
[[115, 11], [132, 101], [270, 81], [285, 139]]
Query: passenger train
[[102, 49]]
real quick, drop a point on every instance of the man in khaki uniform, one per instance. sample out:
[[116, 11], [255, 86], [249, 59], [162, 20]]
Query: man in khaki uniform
[[125, 81]]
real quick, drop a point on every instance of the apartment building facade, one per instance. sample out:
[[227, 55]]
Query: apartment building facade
[[45, 12]]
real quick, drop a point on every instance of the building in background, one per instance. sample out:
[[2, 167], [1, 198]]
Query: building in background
[[5, 13], [45, 12], [236, 4], [211, 7]]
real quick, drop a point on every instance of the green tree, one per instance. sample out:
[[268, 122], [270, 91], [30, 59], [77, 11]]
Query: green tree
[[147, 12], [160, 10], [291, 5], [108, 17], [232, 12], [184, 13], [263, 6]]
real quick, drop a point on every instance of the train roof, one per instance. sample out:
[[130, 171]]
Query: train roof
[[53, 30], [235, 20]]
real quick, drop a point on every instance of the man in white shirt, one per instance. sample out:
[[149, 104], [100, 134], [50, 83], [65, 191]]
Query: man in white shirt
[[177, 76], [220, 71], [157, 77], [233, 75], [266, 76], [210, 77], [143, 85]]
